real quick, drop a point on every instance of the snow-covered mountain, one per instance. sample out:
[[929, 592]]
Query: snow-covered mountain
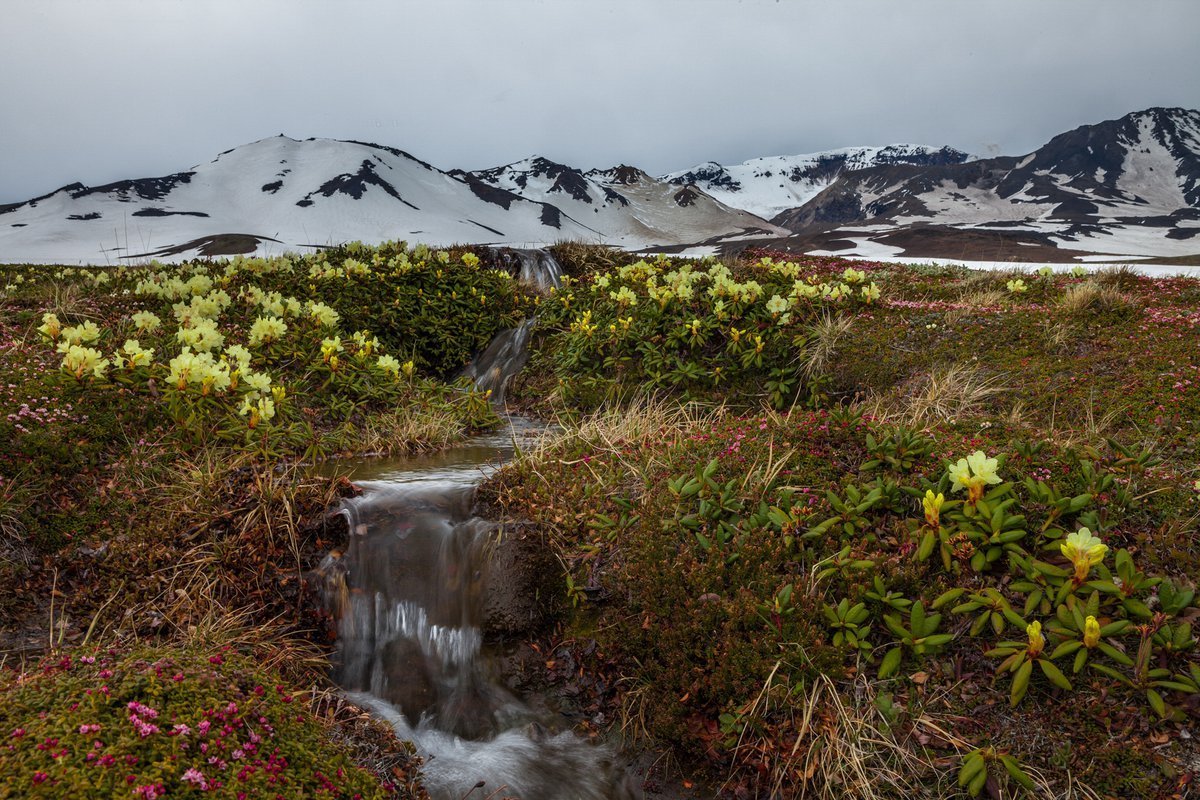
[[278, 194], [1128, 186], [770, 185], [625, 206]]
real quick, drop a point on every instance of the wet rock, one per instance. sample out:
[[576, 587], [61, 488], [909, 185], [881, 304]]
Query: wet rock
[[523, 586], [408, 682]]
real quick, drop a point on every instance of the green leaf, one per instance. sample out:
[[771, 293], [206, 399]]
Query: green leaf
[[1020, 683], [1114, 654], [947, 597], [972, 765], [1066, 648], [1156, 702], [1018, 775], [1054, 674], [890, 663], [977, 783]]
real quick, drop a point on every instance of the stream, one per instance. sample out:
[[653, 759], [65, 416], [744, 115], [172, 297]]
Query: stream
[[412, 595]]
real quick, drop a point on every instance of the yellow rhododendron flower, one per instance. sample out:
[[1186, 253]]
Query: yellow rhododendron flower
[[50, 327], [408, 368], [852, 275], [238, 355], [1091, 632], [973, 473], [80, 360], [146, 321], [870, 293], [201, 335], [1037, 642], [470, 259], [133, 355], [83, 333], [1084, 551], [1016, 286], [257, 381], [933, 508], [266, 330], [777, 305], [324, 316], [331, 346], [260, 410], [389, 365]]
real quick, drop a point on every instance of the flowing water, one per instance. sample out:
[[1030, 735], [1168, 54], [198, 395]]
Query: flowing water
[[410, 594]]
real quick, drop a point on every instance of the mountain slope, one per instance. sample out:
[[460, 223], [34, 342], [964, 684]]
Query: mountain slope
[[773, 184], [293, 193], [626, 207], [1130, 186]]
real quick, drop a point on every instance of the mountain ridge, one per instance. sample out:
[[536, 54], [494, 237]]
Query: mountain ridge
[[1128, 186]]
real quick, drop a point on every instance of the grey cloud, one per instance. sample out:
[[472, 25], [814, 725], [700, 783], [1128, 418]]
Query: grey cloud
[[101, 91]]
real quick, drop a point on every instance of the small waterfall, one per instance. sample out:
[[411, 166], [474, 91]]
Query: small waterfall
[[506, 355], [409, 595], [496, 365], [536, 267]]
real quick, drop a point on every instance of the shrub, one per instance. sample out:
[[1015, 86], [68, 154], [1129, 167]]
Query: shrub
[[157, 723]]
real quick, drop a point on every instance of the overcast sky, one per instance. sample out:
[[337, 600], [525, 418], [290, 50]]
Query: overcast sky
[[95, 91]]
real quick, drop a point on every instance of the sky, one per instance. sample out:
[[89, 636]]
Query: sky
[[96, 91]]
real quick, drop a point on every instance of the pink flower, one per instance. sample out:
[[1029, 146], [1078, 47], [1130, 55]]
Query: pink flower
[[86, 729], [195, 776], [39, 777]]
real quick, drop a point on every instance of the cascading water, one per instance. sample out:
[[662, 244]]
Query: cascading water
[[493, 368], [534, 267], [409, 595]]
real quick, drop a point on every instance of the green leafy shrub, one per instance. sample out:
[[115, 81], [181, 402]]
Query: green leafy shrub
[[157, 723]]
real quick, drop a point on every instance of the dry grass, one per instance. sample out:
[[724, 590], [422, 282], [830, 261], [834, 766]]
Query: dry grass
[[577, 256], [825, 336], [1122, 277], [68, 302], [1093, 297], [943, 395], [846, 749], [614, 428], [406, 431], [1093, 425], [841, 750]]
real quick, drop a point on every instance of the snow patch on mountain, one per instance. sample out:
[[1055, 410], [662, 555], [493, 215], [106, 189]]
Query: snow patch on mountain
[[770, 185]]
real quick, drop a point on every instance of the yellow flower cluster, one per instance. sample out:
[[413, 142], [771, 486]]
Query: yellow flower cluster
[[50, 327], [132, 355], [202, 335], [257, 410], [1084, 551], [199, 369], [933, 508], [265, 330], [973, 474], [324, 316], [79, 361], [84, 333], [146, 321]]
